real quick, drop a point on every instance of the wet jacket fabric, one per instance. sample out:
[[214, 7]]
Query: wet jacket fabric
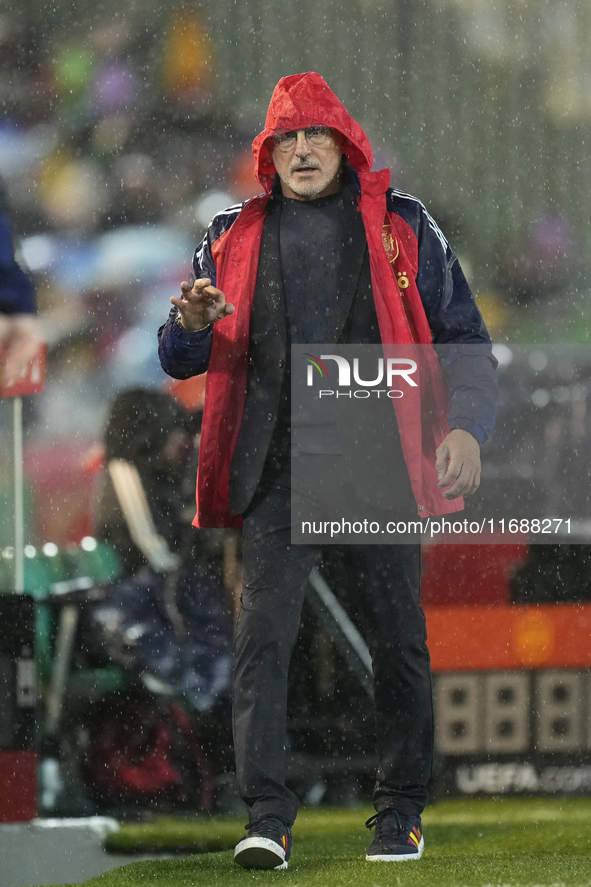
[[17, 295], [420, 294]]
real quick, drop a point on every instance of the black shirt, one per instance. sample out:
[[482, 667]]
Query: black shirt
[[311, 244]]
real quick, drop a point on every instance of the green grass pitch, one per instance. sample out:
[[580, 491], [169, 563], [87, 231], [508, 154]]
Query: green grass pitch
[[468, 843]]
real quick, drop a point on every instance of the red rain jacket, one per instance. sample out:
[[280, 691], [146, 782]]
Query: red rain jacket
[[300, 101]]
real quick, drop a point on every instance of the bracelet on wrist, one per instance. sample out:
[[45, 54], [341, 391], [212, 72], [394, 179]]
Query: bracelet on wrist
[[201, 328]]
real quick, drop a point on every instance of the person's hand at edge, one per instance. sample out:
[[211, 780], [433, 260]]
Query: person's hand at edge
[[458, 464], [20, 338]]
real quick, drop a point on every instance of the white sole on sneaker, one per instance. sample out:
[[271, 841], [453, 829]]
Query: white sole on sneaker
[[260, 853], [400, 857]]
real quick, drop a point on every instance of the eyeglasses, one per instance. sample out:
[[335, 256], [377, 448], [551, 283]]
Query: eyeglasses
[[315, 135]]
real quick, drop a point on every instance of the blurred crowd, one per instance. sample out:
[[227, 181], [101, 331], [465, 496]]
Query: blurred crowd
[[115, 152]]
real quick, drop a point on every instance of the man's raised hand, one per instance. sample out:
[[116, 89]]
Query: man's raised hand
[[201, 305]]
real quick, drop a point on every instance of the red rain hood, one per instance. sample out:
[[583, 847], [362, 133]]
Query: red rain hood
[[303, 100]]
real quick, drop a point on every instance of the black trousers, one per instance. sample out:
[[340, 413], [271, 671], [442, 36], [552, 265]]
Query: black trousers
[[275, 575]]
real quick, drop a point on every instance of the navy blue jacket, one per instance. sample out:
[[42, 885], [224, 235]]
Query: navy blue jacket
[[17, 295]]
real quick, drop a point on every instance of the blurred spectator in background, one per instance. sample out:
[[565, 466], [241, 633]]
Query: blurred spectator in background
[[187, 64], [167, 620], [538, 289], [149, 430], [171, 596], [539, 266]]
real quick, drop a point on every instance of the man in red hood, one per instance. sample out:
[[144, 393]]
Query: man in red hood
[[328, 253]]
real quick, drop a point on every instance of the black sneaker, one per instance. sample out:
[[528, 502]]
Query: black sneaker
[[268, 845], [397, 837]]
